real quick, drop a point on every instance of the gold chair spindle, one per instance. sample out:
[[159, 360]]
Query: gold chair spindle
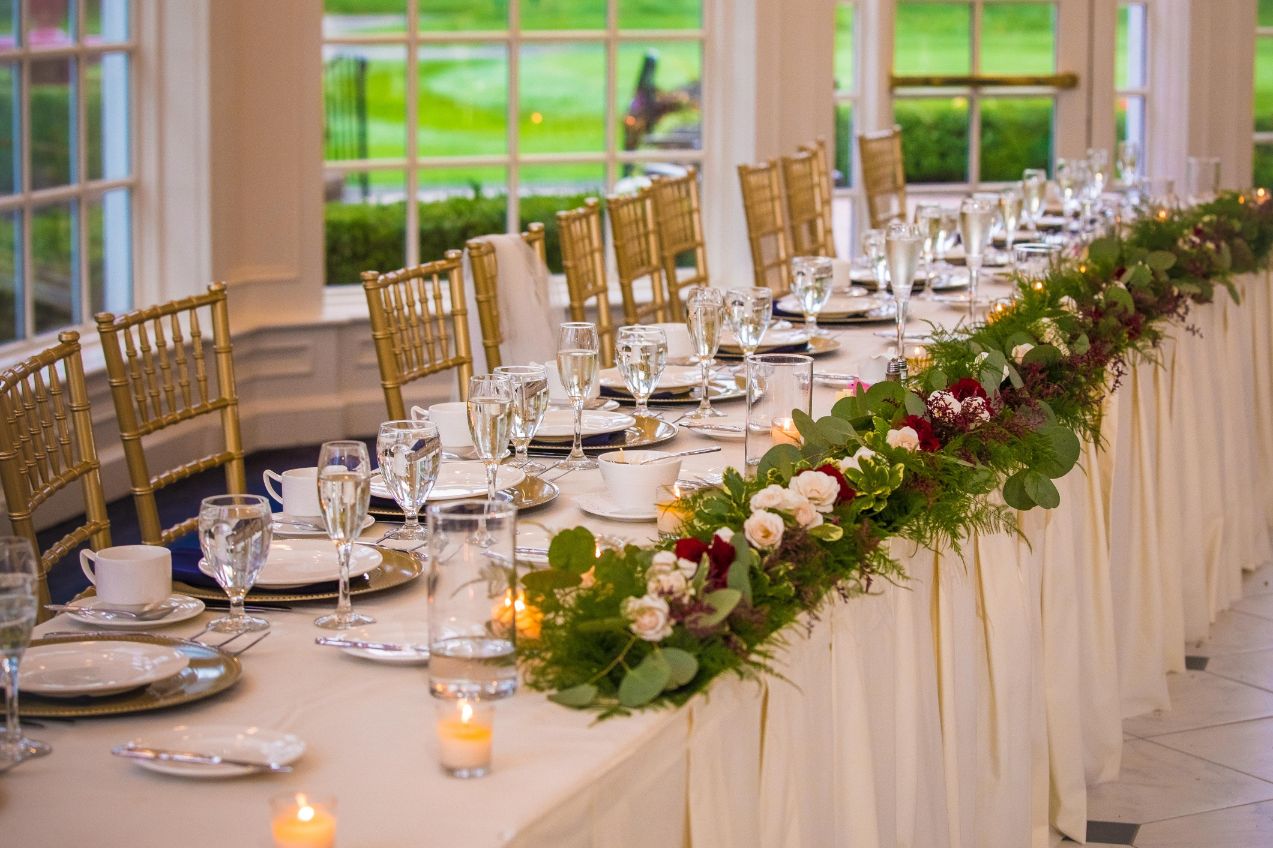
[[766, 226]]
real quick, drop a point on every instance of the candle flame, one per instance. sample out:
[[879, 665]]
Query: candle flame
[[466, 712], [305, 813]]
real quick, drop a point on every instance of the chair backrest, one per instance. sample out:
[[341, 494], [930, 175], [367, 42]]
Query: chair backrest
[[809, 233], [584, 261], [486, 287], [825, 184], [636, 253], [766, 226], [46, 444], [419, 324], [883, 175], [678, 217], [157, 362]]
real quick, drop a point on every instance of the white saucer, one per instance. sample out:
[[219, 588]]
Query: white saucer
[[608, 405], [560, 424], [709, 429], [392, 633], [598, 503], [837, 306], [301, 562], [291, 530], [458, 480], [97, 668], [183, 607], [673, 377], [256, 744]]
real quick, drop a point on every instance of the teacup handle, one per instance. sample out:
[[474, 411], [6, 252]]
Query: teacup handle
[[419, 413], [270, 477], [86, 557]]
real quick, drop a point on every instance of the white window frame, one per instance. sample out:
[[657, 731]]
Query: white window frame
[[1141, 91], [412, 164], [1260, 137]]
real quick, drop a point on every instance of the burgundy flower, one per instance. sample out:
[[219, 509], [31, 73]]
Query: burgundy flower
[[846, 491], [928, 440], [967, 387], [720, 556], [690, 549]]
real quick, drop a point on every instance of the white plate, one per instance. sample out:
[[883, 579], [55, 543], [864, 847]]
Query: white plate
[[257, 744], [458, 480], [599, 504], [961, 299], [301, 562], [560, 423], [71, 669], [183, 607], [391, 633], [837, 305], [714, 429], [292, 530], [596, 403], [673, 377], [773, 338]]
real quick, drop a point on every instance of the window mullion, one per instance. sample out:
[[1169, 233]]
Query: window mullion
[[513, 109], [26, 265], [413, 136], [974, 101], [80, 139], [612, 92]]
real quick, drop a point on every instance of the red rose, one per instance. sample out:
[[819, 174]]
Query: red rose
[[967, 387], [928, 440], [721, 556], [690, 549], [846, 491]]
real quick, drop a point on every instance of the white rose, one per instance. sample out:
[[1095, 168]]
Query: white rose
[[819, 489], [976, 410], [725, 534], [664, 558], [855, 462], [905, 438], [1069, 304], [1019, 352], [764, 529], [944, 405], [650, 617], [770, 497], [688, 567], [667, 584], [807, 515]]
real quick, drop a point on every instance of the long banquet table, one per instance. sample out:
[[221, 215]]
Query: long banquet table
[[970, 707]]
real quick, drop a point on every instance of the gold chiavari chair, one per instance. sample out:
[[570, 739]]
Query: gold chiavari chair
[[157, 361], [636, 253], [583, 259], [809, 234], [486, 287], [678, 217], [825, 184], [46, 444], [883, 175], [766, 226], [417, 332]]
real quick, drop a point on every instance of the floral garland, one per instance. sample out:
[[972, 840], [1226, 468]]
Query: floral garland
[[997, 416]]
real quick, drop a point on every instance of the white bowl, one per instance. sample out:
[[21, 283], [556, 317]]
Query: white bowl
[[632, 486]]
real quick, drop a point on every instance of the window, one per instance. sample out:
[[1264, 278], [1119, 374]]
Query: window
[[1263, 170], [846, 89], [1131, 75], [447, 119], [66, 171]]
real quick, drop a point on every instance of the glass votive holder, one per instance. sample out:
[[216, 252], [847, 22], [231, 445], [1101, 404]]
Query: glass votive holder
[[465, 732], [999, 308], [917, 359], [301, 820], [672, 510], [777, 385]]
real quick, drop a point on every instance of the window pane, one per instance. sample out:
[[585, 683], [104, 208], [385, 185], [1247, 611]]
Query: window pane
[[452, 15], [845, 55], [1130, 120], [53, 245], [934, 138], [548, 189], [660, 14], [1016, 133], [1264, 165], [457, 204], [1129, 60], [106, 92], [463, 100], [110, 255], [50, 23], [52, 157], [8, 25], [1018, 38], [564, 14], [11, 319], [105, 21], [664, 102], [366, 224], [844, 145], [933, 38], [364, 99], [563, 98], [1264, 84], [10, 116], [1265, 16], [350, 17]]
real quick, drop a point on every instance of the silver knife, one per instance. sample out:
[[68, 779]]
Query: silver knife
[[390, 647], [135, 752]]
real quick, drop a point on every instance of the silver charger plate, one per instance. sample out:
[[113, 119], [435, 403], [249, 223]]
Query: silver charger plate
[[647, 432], [883, 315], [526, 495]]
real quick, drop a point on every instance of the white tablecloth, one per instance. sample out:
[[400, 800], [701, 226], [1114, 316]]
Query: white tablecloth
[[971, 706]]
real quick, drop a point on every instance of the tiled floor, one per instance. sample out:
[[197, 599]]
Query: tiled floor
[[1201, 774]]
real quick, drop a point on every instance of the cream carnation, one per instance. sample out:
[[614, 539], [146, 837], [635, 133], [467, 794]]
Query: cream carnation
[[905, 438], [667, 584], [819, 489], [649, 616], [764, 529]]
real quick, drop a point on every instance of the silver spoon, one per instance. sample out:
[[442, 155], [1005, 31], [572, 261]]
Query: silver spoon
[[694, 452]]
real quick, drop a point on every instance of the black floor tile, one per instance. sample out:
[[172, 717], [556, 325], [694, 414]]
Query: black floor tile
[[1113, 833], [1196, 663]]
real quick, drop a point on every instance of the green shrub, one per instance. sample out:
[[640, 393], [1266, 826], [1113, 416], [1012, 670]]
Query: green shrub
[[934, 140], [1015, 135]]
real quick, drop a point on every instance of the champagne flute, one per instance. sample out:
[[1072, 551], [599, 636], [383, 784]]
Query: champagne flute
[[530, 402], [577, 361], [1010, 203], [946, 235], [19, 582], [903, 244], [642, 356], [975, 220], [235, 533], [490, 408], [409, 453], [1128, 162], [928, 219], [1098, 164], [750, 312], [704, 315], [344, 491], [812, 279], [1034, 189], [873, 249]]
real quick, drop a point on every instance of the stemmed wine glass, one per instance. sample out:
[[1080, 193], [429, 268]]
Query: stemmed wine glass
[[975, 220], [410, 453], [811, 282], [1128, 160], [873, 249], [704, 315], [749, 312], [1010, 204], [642, 355], [18, 588], [235, 533], [490, 420], [928, 219], [530, 402], [577, 363], [1034, 189], [903, 244], [344, 492]]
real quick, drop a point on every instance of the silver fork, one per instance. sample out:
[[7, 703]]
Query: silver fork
[[239, 651]]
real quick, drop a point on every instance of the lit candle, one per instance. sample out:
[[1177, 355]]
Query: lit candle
[[512, 611], [464, 737], [1261, 195], [783, 431], [672, 514], [917, 359], [302, 821]]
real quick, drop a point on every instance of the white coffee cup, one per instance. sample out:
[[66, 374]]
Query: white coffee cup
[[419, 413], [679, 345], [632, 486], [129, 575], [452, 420], [841, 270], [299, 490]]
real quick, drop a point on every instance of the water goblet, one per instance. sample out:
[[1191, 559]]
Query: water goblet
[[812, 279], [641, 353], [704, 316], [344, 493], [19, 586], [490, 409], [235, 533], [873, 249], [409, 453], [577, 362], [530, 402], [749, 312]]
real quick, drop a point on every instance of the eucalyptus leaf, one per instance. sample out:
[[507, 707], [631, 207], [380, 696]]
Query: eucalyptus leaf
[[722, 602], [739, 576], [781, 458], [1104, 251], [1160, 260], [545, 581], [1065, 451], [576, 696], [1043, 354], [885, 391], [915, 404], [835, 431], [936, 379], [1117, 296], [574, 550], [1041, 490], [683, 664], [643, 684], [827, 532], [1014, 492]]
